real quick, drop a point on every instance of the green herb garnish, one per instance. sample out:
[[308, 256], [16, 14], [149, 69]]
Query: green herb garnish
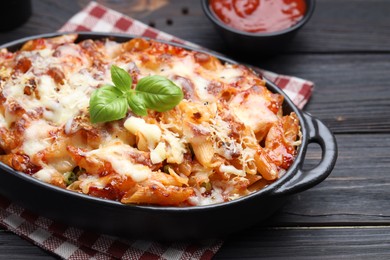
[[111, 102], [69, 178], [72, 176]]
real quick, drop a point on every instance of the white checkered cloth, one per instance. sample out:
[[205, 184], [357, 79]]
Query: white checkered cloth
[[73, 243]]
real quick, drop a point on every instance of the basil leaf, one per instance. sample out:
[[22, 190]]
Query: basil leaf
[[107, 103], [110, 103], [136, 105], [159, 93], [121, 78]]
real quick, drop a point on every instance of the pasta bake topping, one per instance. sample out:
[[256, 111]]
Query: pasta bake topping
[[224, 137]]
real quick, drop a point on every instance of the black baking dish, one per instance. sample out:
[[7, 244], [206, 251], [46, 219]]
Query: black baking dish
[[171, 223]]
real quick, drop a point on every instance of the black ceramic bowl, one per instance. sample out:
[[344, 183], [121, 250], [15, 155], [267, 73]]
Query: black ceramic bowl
[[171, 223], [257, 44]]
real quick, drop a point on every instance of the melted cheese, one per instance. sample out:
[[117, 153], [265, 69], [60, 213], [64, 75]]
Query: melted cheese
[[230, 74], [216, 196], [257, 119], [158, 154], [90, 180], [3, 123], [175, 149], [225, 116], [138, 126], [231, 169], [186, 68], [72, 97], [37, 137], [45, 174], [118, 156], [60, 102]]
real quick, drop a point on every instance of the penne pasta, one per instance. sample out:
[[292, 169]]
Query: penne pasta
[[226, 137]]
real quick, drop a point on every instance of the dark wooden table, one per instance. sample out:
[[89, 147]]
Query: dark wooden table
[[345, 50]]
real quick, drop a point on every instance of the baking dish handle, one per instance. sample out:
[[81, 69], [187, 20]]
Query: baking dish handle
[[305, 179]]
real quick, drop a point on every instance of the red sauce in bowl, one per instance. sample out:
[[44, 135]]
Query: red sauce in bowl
[[259, 15]]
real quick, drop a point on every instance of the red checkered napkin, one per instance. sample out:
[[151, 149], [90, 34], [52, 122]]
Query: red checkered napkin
[[73, 243]]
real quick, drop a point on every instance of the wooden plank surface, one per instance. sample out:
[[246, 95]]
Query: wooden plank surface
[[13, 247], [351, 90], [309, 243], [345, 50], [369, 242], [357, 191]]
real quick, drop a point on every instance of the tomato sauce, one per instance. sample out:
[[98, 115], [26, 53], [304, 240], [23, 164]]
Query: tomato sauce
[[259, 15]]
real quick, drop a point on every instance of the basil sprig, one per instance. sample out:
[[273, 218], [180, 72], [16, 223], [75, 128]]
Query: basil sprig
[[111, 102]]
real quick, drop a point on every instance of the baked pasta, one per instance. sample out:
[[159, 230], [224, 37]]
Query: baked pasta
[[226, 138]]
